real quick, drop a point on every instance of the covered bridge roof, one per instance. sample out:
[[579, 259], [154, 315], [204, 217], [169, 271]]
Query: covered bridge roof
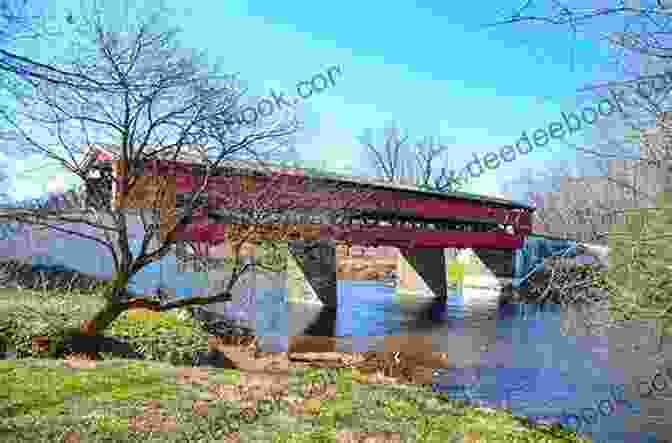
[[195, 154]]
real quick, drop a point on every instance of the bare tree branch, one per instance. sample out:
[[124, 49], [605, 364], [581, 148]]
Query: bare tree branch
[[396, 161]]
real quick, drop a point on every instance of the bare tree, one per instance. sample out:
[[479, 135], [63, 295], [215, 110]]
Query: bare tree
[[395, 160], [18, 21], [161, 103], [567, 206], [632, 158], [21, 20], [604, 216], [4, 196]]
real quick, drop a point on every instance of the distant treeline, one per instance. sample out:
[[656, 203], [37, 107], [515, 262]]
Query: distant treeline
[[52, 201]]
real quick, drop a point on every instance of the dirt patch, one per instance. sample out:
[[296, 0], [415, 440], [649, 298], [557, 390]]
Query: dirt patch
[[200, 408], [40, 344], [72, 437], [251, 388], [233, 437], [320, 391], [79, 361], [299, 344], [152, 420], [187, 375]]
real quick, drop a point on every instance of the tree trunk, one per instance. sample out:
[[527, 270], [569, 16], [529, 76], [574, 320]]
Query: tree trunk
[[83, 341], [117, 303], [112, 309], [103, 318]]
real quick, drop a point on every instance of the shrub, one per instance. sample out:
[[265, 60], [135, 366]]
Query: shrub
[[168, 336], [29, 314], [171, 336]]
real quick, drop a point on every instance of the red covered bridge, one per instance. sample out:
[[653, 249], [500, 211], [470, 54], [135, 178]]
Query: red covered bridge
[[383, 213], [420, 223]]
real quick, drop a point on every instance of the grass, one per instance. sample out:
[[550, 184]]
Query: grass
[[45, 400], [117, 400]]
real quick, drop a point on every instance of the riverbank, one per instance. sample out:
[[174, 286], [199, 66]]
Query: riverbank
[[123, 400], [372, 264]]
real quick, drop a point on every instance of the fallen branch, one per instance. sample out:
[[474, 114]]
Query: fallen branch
[[157, 306], [316, 356]]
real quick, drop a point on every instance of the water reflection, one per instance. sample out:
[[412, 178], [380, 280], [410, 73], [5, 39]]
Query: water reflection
[[324, 324]]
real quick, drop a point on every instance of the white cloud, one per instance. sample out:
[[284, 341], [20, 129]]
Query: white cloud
[[56, 183], [35, 176]]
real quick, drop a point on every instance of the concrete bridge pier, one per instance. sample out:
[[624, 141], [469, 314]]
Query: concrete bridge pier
[[311, 273], [495, 267], [429, 272], [422, 273]]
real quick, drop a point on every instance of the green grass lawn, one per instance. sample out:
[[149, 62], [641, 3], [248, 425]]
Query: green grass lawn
[[44, 400]]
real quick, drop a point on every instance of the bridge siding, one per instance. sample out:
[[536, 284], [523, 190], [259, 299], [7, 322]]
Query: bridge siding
[[180, 179]]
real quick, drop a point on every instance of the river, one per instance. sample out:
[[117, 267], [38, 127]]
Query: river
[[534, 360]]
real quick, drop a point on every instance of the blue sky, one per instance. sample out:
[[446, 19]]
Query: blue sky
[[427, 65]]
